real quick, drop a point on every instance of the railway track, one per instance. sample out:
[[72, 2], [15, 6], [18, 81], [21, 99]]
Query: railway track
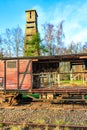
[[45, 115], [42, 126], [34, 105]]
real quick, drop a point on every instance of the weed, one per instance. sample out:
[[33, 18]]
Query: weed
[[40, 121], [59, 122]]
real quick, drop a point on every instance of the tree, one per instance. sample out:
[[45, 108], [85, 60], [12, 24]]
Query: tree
[[53, 38], [85, 47], [49, 38], [1, 50], [59, 36], [7, 42], [74, 48], [12, 41], [33, 46], [18, 40]]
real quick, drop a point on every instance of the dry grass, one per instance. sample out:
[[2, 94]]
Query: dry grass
[[66, 128], [59, 122], [13, 127], [57, 128], [40, 121]]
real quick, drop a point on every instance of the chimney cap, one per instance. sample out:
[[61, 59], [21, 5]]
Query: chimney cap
[[31, 11]]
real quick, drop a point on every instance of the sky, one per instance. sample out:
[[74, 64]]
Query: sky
[[73, 12]]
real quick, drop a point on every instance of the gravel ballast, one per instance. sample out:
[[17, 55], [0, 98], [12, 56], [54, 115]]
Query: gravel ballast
[[43, 114]]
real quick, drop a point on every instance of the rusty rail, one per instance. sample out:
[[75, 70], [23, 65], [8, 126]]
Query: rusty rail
[[75, 127], [63, 90]]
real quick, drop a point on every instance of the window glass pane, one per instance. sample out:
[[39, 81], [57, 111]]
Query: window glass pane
[[11, 64]]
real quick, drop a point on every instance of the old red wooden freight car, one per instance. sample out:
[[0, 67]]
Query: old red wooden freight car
[[43, 75]]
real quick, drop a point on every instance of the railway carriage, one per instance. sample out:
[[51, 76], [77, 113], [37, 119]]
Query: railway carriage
[[60, 78]]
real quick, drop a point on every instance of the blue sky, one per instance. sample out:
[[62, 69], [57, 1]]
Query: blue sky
[[74, 13]]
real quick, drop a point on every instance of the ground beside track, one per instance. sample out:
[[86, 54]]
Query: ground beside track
[[45, 113]]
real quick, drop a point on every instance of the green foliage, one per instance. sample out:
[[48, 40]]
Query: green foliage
[[1, 124], [33, 46]]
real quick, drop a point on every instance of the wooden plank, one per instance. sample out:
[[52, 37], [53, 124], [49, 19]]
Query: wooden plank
[[24, 73]]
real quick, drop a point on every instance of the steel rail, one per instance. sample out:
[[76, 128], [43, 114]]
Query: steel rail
[[63, 90], [43, 125]]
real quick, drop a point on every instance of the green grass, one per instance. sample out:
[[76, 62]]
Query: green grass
[[78, 82], [64, 81]]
